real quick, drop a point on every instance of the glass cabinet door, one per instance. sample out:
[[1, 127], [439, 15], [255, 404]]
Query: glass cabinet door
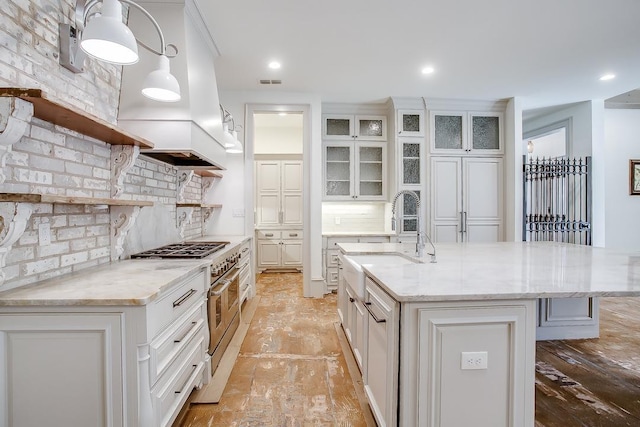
[[448, 131], [410, 123], [411, 163], [410, 213], [370, 165], [371, 128], [485, 132], [338, 127], [338, 160]]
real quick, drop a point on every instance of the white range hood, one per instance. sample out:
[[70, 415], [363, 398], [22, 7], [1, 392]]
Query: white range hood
[[187, 133]]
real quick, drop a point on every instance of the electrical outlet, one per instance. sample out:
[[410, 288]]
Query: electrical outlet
[[44, 234], [474, 360], [337, 219]]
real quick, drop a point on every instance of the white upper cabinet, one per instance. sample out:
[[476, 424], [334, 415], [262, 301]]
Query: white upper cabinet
[[355, 171], [410, 123], [278, 193], [346, 127], [455, 132]]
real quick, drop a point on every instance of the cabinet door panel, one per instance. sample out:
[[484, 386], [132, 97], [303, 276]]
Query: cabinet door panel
[[483, 233], [268, 209], [446, 179], [86, 351], [292, 253], [292, 209], [483, 189], [267, 176], [292, 176], [446, 233], [268, 253], [372, 128], [448, 131], [337, 126]]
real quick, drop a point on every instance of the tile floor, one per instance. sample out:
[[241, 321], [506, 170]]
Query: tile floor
[[291, 370]]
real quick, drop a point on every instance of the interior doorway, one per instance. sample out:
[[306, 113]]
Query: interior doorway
[[278, 150]]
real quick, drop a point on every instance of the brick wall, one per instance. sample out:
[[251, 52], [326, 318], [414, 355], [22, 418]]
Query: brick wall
[[51, 159]]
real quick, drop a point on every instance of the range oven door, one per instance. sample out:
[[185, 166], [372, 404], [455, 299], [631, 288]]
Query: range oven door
[[222, 306]]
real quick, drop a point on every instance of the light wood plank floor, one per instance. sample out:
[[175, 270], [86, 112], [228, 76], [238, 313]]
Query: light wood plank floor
[[291, 370]]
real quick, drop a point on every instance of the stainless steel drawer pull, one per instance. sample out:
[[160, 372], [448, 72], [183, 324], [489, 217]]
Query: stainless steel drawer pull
[[293, 234], [268, 234], [245, 250], [183, 298], [186, 333], [367, 306], [185, 384]]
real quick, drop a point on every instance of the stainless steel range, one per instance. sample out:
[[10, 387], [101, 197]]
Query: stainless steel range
[[224, 289]]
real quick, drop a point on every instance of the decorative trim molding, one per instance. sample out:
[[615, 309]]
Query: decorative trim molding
[[123, 157], [122, 220], [184, 178], [19, 214], [15, 117], [184, 216]]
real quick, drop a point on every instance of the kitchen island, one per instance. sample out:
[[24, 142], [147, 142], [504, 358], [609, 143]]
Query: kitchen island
[[453, 343]]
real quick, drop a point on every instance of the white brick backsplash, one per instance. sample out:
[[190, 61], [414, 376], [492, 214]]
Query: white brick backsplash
[[46, 135], [33, 176], [74, 258], [52, 249], [67, 154], [55, 160], [70, 233], [84, 244], [77, 168], [40, 266]]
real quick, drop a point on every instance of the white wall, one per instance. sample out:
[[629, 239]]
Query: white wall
[[622, 136]]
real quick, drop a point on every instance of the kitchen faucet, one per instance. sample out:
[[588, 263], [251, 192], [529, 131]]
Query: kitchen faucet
[[419, 234]]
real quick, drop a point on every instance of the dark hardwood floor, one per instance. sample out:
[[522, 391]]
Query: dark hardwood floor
[[593, 382]]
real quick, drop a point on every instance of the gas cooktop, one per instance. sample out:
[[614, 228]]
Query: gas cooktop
[[183, 250]]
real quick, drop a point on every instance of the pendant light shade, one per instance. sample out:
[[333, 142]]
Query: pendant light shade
[[107, 38], [160, 84]]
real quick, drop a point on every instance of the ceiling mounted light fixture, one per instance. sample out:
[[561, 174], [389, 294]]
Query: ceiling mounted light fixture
[[608, 77], [274, 65], [428, 70], [103, 36]]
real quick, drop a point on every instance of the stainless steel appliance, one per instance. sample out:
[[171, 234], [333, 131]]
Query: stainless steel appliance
[[223, 297]]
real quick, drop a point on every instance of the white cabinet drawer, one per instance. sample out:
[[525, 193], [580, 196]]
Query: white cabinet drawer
[[292, 234], [171, 394], [269, 234], [176, 302], [332, 242], [374, 239], [171, 342], [332, 278]]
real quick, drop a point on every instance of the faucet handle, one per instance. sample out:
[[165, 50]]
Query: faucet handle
[[393, 223]]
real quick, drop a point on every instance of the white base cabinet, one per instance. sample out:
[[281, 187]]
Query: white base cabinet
[[419, 377], [279, 249], [106, 366]]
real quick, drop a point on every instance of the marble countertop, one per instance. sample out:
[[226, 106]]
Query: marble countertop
[[127, 282], [506, 270], [357, 233]]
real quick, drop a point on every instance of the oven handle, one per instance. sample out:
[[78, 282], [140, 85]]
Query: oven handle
[[225, 283]]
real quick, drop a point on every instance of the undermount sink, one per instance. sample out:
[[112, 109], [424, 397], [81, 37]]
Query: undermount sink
[[352, 268]]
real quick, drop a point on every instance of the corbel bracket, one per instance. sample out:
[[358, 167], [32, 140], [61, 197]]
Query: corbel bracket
[[184, 178], [123, 157], [122, 220], [15, 117], [206, 214], [184, 216], [16, 215]]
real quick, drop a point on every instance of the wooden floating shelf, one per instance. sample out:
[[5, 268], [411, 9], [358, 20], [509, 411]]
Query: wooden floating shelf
[[199, 205], [58, 113], [208, 173], [68, 200]]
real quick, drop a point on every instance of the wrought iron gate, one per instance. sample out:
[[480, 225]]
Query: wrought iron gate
[[557, 200]]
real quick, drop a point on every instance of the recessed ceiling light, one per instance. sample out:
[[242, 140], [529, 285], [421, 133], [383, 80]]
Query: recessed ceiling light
[[428, 70], [274, 65], [608, 77]]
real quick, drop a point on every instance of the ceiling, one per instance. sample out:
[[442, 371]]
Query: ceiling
[[546, 52]]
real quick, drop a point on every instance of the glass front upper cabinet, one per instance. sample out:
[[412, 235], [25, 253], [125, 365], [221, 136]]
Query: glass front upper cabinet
[[350, 127], [410, 163], [466, 133], [410, 123], [338, 170]]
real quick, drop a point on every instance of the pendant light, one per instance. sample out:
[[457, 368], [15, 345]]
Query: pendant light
[[107, 38]]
